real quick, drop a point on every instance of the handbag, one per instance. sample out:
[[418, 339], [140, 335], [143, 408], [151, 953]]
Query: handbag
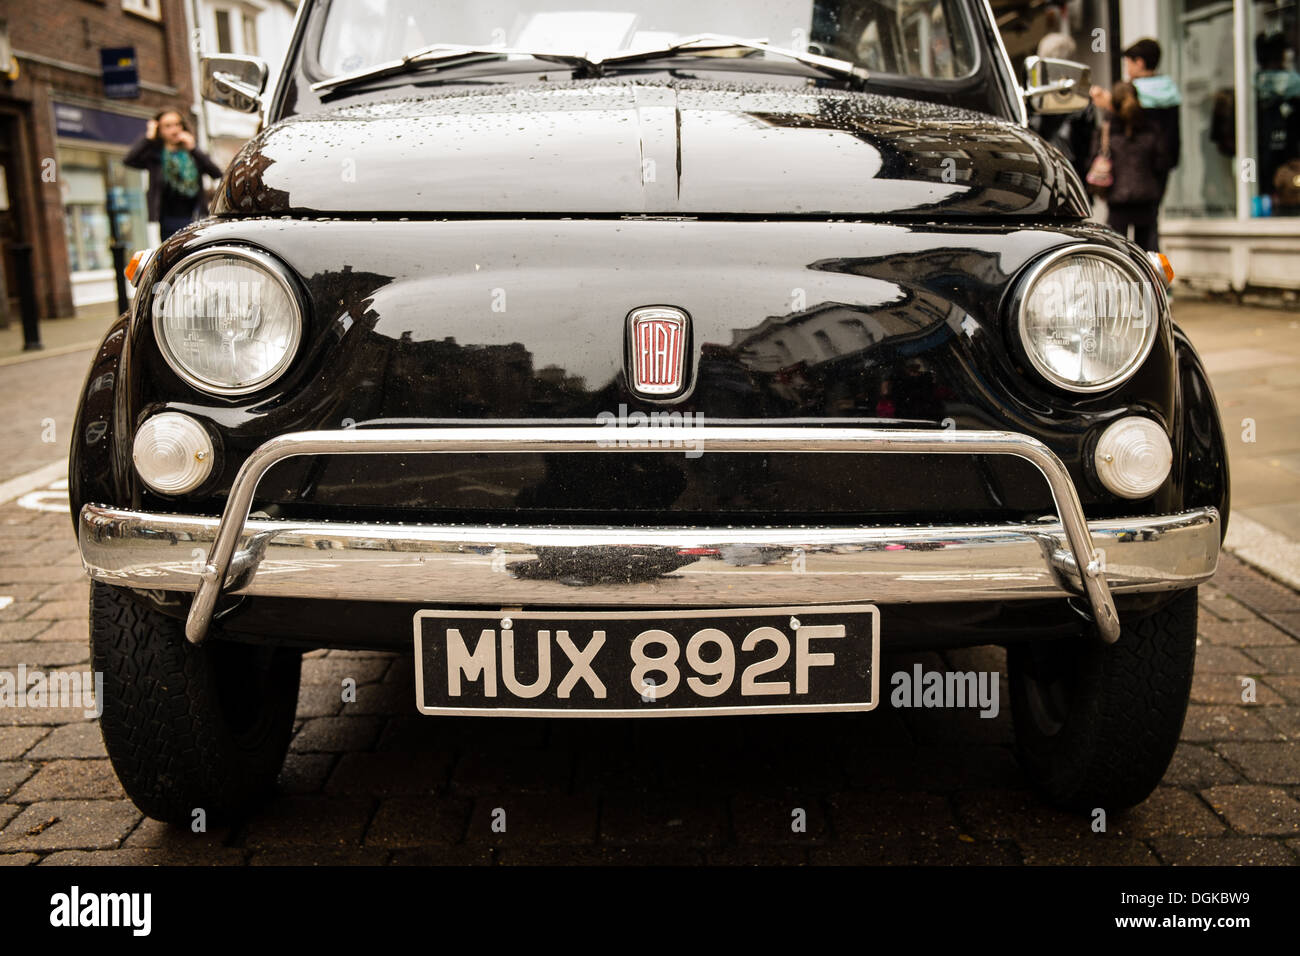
[[1101, 174]]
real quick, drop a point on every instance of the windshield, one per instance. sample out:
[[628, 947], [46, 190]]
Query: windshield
[[926, 39]]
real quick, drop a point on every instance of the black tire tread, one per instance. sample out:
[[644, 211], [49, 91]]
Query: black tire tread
[[163, 724], [1126, 717]]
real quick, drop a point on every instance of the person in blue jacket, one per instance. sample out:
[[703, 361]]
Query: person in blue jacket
[[1158, 97]]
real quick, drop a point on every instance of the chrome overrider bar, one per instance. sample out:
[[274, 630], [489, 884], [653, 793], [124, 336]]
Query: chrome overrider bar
[[405, 562]]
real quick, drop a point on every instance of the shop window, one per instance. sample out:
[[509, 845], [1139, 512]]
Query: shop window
[[1274, 109], [235, 30], [96, 185], [1201, 62]]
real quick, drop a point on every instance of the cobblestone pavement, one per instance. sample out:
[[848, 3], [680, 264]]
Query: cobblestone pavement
[[374, 782]]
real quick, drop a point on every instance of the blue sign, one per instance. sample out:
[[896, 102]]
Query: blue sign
[[121, 78], [100, 126]]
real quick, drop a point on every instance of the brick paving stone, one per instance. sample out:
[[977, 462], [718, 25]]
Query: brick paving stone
[[1195, 765], [599, 856], [1221, 851], [156, 835], [70, 825], [1224, 607], [1167, 812], [390, 774], [16, 741], [22, 630], [332, 670], [1286, 721], [534, 819], [337, 734], [915, 853], [1256, 810], [18, 859], [1265, 762], [217, 856], [317, 856], [12, 775], [62, 610], [771, 821], [641, 818], [1278, 660], [1288, 687], [43, 654], [40, 716], [1016, 815], [1227, 688], [756, 856], [18, 610], [892, 816], [71, 780], [80, 741], [1085, 852], [936, 768], [319, 700], [445, 856], [11, 573], [66, 631], [415, 821], [307, 821], [514, 771], [381, 698], [69, 591], [305, 773], [1216, 659], [7, 812], [1251, 633], [1210, 723]]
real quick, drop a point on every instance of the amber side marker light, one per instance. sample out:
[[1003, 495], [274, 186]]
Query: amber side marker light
[[1161, 262], [136, 265]]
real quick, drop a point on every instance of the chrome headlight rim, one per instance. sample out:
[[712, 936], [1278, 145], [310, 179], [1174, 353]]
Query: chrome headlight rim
[[277, 271], [1024, 285]]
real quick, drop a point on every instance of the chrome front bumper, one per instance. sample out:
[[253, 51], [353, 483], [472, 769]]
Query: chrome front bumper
[[667, 567]]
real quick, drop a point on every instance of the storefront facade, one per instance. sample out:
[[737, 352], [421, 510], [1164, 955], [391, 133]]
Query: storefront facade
[[66, 188], [1231, 216]]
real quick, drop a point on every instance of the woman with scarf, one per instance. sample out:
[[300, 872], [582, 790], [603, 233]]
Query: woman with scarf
[[176, 168]]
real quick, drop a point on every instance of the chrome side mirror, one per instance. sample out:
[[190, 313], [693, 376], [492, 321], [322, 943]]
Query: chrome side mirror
[[1056, 86], [233, 81]]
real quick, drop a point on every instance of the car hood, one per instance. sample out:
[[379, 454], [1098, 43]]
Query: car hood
[[619, 147]]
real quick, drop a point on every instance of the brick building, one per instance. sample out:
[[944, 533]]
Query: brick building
[[64, 188]]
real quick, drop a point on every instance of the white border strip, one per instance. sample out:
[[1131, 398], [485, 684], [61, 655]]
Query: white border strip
[[1265, 549], [32, 481]]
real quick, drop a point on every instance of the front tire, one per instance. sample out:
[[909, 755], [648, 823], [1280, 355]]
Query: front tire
[[1096, 725], [189, 727]]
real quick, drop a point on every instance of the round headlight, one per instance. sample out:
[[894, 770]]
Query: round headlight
[[228, 320], [1087, 318]]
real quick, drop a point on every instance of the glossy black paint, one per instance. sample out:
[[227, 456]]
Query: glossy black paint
[[794, 321], [672, 147], [470, 255]]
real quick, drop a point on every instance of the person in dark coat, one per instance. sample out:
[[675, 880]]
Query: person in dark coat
[[1157, 95], [1140, 163], [176, 168]]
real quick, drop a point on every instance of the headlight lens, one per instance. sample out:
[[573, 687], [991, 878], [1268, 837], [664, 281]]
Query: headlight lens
[[228, 320], [1087, 319]]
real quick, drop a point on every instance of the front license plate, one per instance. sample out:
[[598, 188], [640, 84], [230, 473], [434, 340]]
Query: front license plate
[[647, 663]]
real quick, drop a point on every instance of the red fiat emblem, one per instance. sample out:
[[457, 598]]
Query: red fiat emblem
[[657, 339]]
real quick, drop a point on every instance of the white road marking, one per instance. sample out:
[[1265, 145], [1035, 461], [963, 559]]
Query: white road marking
[[33, 480]]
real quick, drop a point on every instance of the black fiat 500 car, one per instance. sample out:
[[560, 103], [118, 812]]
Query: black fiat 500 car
[[644, 360]]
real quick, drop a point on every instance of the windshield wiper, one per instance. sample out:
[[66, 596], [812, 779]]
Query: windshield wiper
[[442, 55], [712, 43]]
